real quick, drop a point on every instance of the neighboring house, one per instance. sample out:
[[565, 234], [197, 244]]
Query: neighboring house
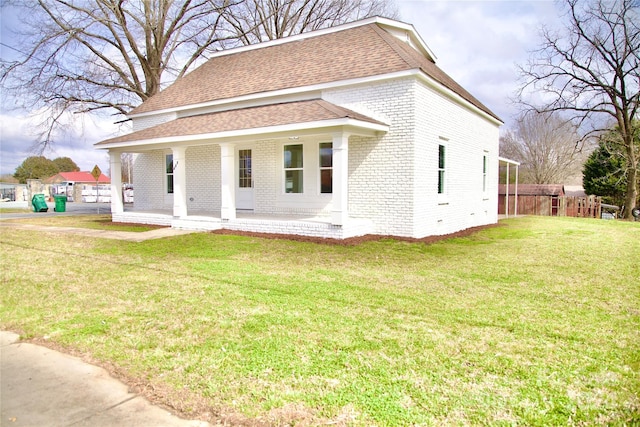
[[79, 186], [335, 133], [76, 178]]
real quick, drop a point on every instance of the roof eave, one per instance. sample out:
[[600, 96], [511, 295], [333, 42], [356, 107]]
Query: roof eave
[[345, 124]]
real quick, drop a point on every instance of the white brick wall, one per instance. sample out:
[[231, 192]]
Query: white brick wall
[[313, 229], [466, 137], [203, 179], [149, 177], [380, 169]]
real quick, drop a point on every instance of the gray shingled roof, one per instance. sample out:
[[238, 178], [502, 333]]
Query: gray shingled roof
[[357, 52], [246, 118]]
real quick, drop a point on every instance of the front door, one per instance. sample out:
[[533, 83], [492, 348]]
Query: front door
[[244, 183]]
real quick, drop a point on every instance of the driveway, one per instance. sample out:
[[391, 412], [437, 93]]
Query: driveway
[[71, 208]]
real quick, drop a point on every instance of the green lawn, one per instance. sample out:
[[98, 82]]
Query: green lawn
[[535, 322]]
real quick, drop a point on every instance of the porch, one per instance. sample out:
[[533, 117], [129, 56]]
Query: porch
[[313, 226]]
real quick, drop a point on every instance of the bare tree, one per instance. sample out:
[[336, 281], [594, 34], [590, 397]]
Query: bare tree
[[87, 56], [546, 147], [111, 55], [592, 71], [255, 21], [127, 161]]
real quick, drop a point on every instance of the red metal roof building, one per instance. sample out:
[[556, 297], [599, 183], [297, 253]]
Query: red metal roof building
[[83, 177]]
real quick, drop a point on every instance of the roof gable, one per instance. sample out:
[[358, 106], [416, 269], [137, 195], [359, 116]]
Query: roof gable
[[358, 51]]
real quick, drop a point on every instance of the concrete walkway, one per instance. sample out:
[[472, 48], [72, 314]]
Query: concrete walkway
[[45, 388], [130, 236]]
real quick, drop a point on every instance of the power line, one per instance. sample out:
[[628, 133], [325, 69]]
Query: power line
[[12, 48]]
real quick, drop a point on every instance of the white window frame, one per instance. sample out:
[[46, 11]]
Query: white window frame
[[168, 174], [286, 169], [442, 197], [485, 168], [245, 169], [442, 169], [324, 168]]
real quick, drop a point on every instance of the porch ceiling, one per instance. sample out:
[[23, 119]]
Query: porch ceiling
[[270, 121]]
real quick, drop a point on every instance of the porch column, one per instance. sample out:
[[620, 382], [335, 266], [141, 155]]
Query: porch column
[[340, 183], [116, 182], [506, 207], [179, 181], [228, 171]]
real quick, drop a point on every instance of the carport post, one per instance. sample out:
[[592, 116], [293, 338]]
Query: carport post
[[506, 208]]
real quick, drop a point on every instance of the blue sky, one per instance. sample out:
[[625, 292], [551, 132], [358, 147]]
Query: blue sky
[[478, 43]]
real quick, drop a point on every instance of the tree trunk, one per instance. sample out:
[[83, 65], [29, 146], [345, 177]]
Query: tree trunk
[[632, 184]]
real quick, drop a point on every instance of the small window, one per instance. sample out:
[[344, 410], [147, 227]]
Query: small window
[[484, 173], [441, 169], [293, 169], [169, 172], [326, 167], [244, 169]]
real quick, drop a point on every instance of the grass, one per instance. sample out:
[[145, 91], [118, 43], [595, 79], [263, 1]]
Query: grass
[[98, 222], [14, 210], [534, 323]]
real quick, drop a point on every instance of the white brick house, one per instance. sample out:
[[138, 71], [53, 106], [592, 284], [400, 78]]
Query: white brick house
[[335, 133]]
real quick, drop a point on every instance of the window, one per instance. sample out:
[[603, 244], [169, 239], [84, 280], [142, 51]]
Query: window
[[484, 173], [169, 172], [293, 169], [326, 167], [244, 169], [441, 169]]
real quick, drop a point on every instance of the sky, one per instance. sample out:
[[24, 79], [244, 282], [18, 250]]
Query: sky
[[478, 43]]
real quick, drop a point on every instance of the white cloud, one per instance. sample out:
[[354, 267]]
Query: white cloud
[[18, 137], [479, 43]]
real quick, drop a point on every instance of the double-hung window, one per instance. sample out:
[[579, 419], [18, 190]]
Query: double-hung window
[[293, 169], [484, 173], [326, 167], [441, 169], [169, 173]]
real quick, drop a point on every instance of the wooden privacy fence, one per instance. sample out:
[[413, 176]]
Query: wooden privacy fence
[[586, 207]]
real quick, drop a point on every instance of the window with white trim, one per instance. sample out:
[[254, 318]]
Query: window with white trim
[[441, 169], [484, 173], [293, 169], [244, 169], [169, 173], [326, 167]]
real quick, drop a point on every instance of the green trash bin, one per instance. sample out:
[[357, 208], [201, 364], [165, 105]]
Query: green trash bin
[[61, 203], [39, 204]]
